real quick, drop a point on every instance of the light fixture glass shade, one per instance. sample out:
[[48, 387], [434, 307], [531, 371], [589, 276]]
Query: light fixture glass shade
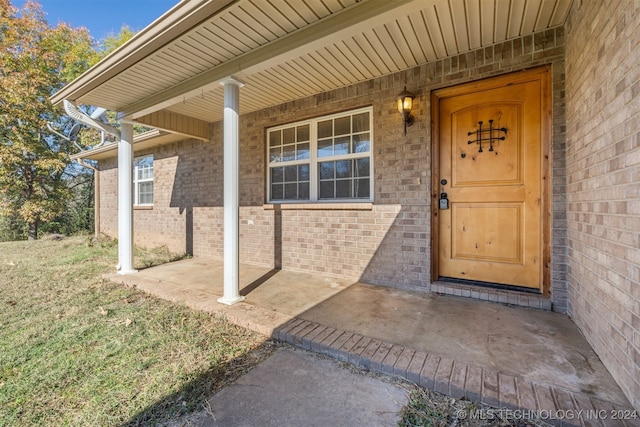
[[405, 105], [405, 102]]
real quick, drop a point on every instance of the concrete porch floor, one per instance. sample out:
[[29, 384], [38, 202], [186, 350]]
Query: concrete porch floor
[[502, 355]]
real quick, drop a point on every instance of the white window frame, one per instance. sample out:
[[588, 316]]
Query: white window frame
[[314, 160], [137, 181]]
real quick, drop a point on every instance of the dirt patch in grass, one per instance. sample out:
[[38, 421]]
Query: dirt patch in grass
[[76, 350]]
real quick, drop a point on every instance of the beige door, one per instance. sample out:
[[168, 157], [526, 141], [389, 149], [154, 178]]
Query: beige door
[[490, 228]]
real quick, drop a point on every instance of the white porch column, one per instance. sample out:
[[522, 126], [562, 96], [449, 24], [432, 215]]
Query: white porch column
[[231, 191], [125, 200]]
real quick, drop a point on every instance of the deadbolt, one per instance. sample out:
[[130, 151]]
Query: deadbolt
[[443, 181]]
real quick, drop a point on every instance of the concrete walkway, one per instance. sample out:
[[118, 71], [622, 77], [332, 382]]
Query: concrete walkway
[[296, 388], [501, 355]]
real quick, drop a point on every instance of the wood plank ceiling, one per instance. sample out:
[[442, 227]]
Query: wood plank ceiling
[[413, 33]]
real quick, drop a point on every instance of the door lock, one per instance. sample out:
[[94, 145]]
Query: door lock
[[444, 202]]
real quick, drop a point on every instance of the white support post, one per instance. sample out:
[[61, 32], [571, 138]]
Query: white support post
[[231, 192], [125, 200]]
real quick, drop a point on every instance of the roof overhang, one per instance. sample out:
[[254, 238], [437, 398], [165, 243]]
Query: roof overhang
[[173, 23], [282, 53]]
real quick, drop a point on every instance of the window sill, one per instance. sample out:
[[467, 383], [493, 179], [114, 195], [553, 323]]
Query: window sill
[[319, 206], [142, 207]]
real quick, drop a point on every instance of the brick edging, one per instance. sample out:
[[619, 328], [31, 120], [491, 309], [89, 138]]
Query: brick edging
[[447, 376]]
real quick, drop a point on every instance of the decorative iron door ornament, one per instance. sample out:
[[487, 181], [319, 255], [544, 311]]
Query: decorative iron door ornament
[[491, 136]]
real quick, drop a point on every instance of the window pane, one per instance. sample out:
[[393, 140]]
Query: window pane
[[342, 126], [303, 173], [146, 187], [362, 167], [275, 154], [277, 174], [361, 188], [145, 199], [303, 190], [143, 167], [277, 191], [289, 136], [343, 189], [303, 151], [361, 143], [343, 169], [290, 173], [291, 191], [326, 170], [342, 146], [274, 138], [326, 190], [361, 122], [288, 153], [303, 133], [325, 148], [325, 129], [143, 162], [145, 192]]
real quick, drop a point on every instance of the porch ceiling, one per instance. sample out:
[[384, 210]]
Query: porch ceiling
[[284, 50]]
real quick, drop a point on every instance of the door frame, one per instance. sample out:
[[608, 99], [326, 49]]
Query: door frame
[[543, 74]]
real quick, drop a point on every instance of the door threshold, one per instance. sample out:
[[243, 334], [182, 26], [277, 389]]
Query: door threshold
[[491, 285], [492, 293]]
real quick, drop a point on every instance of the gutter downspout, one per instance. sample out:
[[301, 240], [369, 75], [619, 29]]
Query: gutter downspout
[[72, 111], [125, 182]]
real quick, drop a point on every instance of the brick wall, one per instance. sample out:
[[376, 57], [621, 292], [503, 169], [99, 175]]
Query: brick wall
[[388, 243], [603, 182], [186, 176]]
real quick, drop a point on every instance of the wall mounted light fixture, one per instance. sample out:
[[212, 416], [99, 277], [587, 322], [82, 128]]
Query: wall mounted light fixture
[[405, 104]]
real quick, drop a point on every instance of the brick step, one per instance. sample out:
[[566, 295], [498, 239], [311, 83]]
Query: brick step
[[447, 376]]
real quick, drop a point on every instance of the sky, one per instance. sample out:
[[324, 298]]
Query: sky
[[103, 17]]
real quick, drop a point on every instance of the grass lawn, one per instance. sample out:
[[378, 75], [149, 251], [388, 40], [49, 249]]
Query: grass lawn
[[80, 351], [77, 350]]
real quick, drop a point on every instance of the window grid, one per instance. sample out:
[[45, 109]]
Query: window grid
[[324, 159], [143, 180]]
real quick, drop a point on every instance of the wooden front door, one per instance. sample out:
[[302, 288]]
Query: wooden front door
[[491, 136]]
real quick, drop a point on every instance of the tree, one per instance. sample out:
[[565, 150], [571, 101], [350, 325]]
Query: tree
[[77, 216], [112, 42], [35, 61]]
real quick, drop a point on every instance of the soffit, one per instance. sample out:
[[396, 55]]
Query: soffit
[[238, 40]]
